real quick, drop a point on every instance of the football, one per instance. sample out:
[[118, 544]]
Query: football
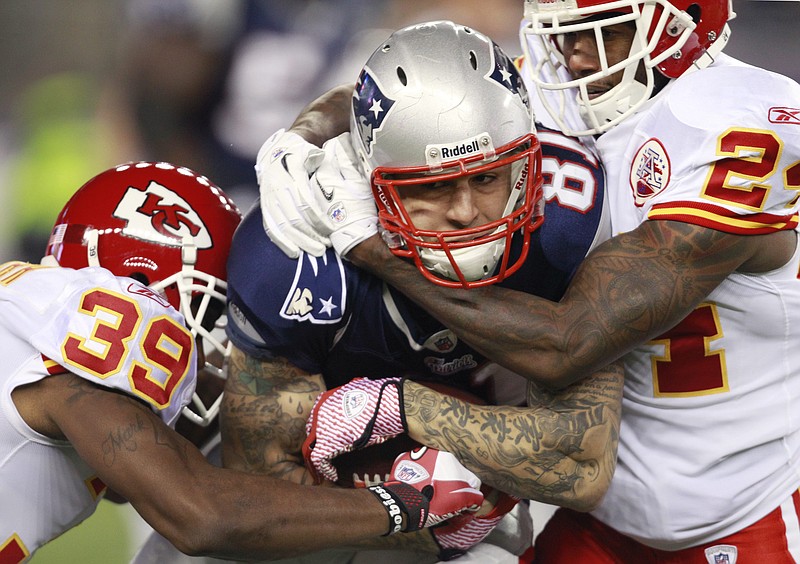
[[368, 466]]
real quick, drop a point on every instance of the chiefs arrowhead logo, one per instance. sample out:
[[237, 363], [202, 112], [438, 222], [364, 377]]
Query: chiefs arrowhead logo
[[160, 215]]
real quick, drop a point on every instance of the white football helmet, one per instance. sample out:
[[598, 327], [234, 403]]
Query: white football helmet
[[439, 101], [672, 37]]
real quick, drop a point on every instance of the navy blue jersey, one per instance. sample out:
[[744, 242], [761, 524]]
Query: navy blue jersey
[[326, 316]]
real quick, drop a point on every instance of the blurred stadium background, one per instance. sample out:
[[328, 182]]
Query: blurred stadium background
[[88, 84]]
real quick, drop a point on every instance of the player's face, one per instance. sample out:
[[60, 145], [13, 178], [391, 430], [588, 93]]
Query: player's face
[[460, 203], [581, 53]]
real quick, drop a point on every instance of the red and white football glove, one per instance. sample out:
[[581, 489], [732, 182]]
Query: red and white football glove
[[428, 487], [358, 414], [464, 531], [451, 488]]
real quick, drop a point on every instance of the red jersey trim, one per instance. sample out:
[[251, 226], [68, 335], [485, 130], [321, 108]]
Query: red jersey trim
[[53, 367]]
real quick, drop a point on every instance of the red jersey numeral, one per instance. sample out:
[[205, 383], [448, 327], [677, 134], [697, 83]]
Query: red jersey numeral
[[165, 345], [750, 157], [689, 367]]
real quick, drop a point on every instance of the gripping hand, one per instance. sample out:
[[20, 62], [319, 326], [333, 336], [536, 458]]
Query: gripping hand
[[358, 414], [284, 166], [427, 487], [451, 488], [464, 531], [348, 214]]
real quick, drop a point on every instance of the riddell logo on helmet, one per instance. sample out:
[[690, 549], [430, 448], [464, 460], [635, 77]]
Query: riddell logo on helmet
[[460, 150], [160, 215]]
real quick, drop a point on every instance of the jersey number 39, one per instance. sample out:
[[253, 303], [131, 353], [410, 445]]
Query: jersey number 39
[[164, 346]]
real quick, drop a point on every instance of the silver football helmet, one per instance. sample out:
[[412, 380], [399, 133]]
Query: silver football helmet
[[671, 37], [435, 102]]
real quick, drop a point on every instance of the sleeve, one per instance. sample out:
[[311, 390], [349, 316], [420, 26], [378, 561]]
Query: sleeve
[[576, 210], [282, 307], [723, 152], [120, 335]]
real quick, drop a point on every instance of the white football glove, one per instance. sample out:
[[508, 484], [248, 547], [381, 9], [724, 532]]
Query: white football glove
[[284, 166], [343, 197]]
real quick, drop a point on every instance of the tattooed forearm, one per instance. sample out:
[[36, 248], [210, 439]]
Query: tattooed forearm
[[630, 289], [264, 410], [561, 449], [123, 438]]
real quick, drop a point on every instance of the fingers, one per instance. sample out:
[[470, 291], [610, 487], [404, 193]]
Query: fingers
[[284, 166]]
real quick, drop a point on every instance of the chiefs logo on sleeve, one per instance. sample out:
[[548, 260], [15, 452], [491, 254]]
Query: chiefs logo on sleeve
[[160, 215]]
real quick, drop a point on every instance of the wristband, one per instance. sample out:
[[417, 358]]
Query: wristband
[[401, 500]]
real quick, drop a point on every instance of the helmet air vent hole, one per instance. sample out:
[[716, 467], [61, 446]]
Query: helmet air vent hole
[[401, 74], [473, 60]]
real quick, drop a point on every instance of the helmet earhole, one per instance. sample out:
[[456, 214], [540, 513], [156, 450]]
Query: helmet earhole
[[140, 277], [473, 60], [695, 12], [401, 74]]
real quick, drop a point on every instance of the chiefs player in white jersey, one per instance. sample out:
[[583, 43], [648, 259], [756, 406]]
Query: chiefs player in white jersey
[[698, 289], [97, 368]]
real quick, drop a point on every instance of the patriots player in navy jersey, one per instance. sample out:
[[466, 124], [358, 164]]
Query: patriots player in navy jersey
[[441, 125]]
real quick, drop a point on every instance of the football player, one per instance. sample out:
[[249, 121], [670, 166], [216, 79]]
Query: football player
[[100, 347], [698, 289], [440, 118]]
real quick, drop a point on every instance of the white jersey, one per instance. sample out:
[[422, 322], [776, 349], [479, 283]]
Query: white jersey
[[710, 438], [111, 331]]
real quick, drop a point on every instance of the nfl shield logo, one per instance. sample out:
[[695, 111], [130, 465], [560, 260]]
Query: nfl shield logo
[[353, 403], [721, 554], [410, 472]]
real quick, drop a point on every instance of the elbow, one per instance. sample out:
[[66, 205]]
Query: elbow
[[591, 491], [552, 372], [590, 500], [198, 535], [556, 380]]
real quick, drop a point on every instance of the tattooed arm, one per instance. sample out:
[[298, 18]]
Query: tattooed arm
[[200, 508], [561, 449], [630, 289], [264, 411]]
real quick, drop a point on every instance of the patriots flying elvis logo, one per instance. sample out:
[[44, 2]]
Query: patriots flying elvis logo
[[507, 75], [370, 107]]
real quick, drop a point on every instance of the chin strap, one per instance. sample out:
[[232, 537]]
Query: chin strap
[[91, 236], [713, 50]]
